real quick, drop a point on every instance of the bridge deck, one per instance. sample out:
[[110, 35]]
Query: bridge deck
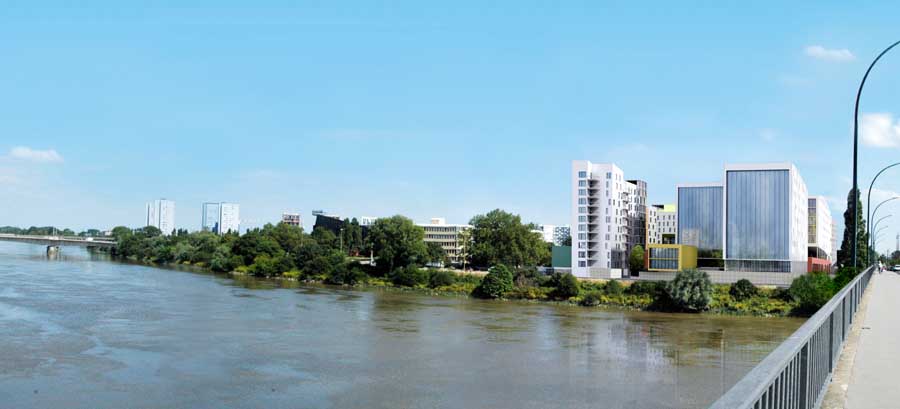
[[874, 381]]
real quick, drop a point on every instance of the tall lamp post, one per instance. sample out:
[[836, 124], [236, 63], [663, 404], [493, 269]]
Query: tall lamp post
[[869, 199], [875, 239], [875, 231], [871, 226], [855, 145]]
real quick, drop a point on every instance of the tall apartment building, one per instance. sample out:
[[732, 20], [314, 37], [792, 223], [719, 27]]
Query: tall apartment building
[[609, 217], [161, 214], [662, 224], [766, 223], [701, 221], [820, 233], [292, 219], [560, 234], [447, 235], [221, 218], [367, 220]]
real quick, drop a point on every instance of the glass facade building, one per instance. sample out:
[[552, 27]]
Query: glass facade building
[[700, 222], [759, 218], [211, 217]]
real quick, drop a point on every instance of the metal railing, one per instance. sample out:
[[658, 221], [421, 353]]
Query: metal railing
[[797, 373]]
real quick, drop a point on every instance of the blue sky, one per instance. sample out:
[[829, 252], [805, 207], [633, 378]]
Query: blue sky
[[378, 108]]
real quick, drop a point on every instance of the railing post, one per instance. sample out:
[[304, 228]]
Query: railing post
[[804, 376], [831, 342]]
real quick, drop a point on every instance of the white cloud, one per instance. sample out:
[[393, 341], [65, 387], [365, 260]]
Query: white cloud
[[880, 130], [34, 155], [829, 54]]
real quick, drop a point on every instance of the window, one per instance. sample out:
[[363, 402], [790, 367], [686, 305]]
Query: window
[[582, 174], [582, 236], [582, 263], [582, 218], [608, 175], [582, 192], [582, 209], [582, 200], [582, 227], [582, 183], [581, 254], [582, 245]]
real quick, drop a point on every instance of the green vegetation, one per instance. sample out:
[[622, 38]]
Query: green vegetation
[[397, 242], [636, 258], [499, 240], [743, 290], [690, 290], [499, 237], [811, 291], [497, 282], [844, 254]]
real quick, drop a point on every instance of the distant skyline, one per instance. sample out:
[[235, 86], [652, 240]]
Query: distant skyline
[[367, 109]]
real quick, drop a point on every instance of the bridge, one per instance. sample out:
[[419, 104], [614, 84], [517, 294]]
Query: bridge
[[844, 356], [53, 243]]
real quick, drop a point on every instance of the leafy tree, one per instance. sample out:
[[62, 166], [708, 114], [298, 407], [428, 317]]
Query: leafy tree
[[346, 274], [592, 299], [567, 241], [497, 282], [690, 290], [636, 259], [529, 277], [254, 243], [742, 290], [844, 255], [811, 291], [326, 238], [565, 286], [352, 236], [501, 238], [435, 254], [397, 242]]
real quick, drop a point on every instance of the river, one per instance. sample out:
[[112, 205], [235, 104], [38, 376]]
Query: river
[[81, 331]]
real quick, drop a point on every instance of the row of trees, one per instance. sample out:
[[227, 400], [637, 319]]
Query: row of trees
[[395, 242], [49, 230]]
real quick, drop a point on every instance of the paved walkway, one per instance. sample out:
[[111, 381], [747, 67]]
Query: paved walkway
[[875, 375]]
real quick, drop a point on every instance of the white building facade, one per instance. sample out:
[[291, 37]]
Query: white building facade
[[662, 224], [161, 214], [821, 235], [437, 230], [605, 210], [221, 218], [766, 225], [292, 219]]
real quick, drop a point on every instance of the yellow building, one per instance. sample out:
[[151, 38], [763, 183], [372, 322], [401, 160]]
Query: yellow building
[[671, 257]]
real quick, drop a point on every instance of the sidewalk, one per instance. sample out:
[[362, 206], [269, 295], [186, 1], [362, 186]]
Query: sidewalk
[[875, 375]]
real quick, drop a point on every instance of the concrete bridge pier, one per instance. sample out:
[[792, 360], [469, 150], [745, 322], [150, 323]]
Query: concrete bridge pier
[[52, 251]]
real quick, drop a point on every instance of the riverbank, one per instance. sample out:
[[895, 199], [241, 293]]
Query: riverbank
[[637, 295]]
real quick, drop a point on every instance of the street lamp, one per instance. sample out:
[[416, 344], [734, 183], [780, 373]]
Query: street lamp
[[871, 226], [855, 144], [869, 197]]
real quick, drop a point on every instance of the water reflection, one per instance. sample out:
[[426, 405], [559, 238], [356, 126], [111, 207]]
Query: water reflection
[[86, 332]]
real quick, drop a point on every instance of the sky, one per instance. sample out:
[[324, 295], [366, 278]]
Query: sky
[[427, 110]]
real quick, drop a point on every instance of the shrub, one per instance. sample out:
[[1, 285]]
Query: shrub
[[742, 290], [498, 281], [690, 290], [844, 276], [651, 288], [441, 278], [528, 293], [346, 275], [592, 299], [409, 276], [529, 277], [565, 286], [613, 287], [811, 291]]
